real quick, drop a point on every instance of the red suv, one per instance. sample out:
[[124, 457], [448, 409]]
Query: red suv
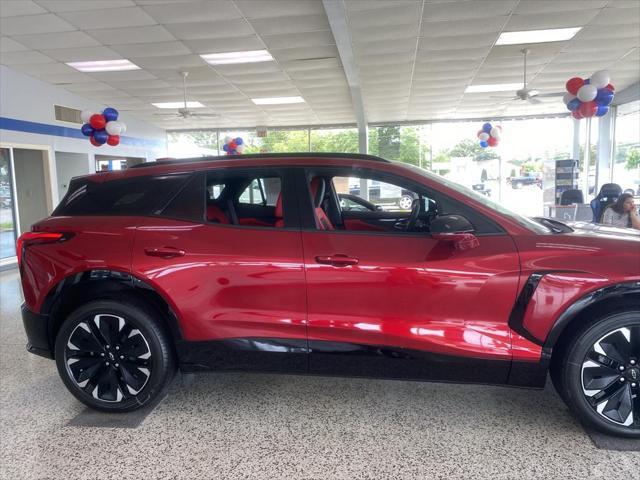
[[256, 263]]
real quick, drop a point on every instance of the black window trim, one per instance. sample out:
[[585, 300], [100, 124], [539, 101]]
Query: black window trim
[[307, 218]]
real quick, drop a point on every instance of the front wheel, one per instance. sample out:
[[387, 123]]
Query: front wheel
[[599, 377], [114, 355], [405, 202]]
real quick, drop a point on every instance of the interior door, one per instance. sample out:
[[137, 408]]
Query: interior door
[[404, 305], [238, 291]]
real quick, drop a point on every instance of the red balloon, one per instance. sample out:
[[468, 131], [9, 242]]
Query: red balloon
[[97, 121], [232, 145], [574, 84], [113, 140], [577, 115], [93, 141], [610, 87], [492, 141], [588, 109]]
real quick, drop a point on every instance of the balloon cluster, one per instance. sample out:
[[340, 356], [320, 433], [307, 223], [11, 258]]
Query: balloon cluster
[[233, 146], [489, 135], [102, 127], [588, 97]]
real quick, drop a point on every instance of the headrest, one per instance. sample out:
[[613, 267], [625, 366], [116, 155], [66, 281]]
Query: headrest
[[317, 187], [610, 190], [278, 212]]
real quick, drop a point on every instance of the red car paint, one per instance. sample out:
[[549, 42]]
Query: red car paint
[[411, 292]]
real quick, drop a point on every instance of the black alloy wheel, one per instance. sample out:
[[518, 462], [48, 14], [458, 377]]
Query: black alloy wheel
[[114, 356]]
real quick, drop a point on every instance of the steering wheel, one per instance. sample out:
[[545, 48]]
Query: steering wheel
[[413, 216]]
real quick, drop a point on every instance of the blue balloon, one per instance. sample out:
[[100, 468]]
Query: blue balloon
[[110, 114], [604, 97], [602, 110], [484, 143], [87, 130], [487, 127], [225, 147], [574, 104], [239, 141], [100, 136], [586, 81]]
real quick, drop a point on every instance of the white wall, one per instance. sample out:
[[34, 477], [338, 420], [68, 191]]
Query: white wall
[[69, 165], [26, 98]]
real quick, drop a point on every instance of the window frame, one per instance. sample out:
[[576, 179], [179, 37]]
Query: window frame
[[306, 210]]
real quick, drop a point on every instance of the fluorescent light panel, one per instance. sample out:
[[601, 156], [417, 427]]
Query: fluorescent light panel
[[537, 36], [178, 105], [277, 100], [496, 87], [104, 66], [251, 56]]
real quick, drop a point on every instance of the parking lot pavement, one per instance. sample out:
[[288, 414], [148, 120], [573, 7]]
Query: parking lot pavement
[[267, 426]]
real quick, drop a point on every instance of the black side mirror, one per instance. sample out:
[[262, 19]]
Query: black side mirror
[[454, 229]]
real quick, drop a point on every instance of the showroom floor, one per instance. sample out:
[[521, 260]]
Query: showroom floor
[[263, 426]]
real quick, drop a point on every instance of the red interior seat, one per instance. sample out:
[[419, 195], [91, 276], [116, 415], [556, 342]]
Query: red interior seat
[[317, 187]]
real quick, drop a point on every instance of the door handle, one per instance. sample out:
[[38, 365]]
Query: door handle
[[164, 252], [337, 260]]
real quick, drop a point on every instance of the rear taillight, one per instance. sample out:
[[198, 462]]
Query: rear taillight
[[32, 238]]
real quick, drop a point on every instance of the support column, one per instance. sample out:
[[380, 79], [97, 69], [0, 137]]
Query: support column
[[586, 160], [575, 148], [605, 149]]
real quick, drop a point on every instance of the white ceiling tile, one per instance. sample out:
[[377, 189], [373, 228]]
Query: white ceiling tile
[[389, 46], [547, 6], [9, 45], [49, 41], [618, 16], [458, 42], [46, 68], [309, 39], [109, 18], [210, 11], [57, 6], [402, 14], [304, 53], [219, 45], [159, 49], [464, 27], [64, 78], [21, 58], [20, 8], [204, 30], [463, 10], [83, 54], [301, 23], [543, 21], [387, 32], [121, 36], [279, 8], [32, 24], [109, 77], [248, 68], [171, 62], [87, 87]]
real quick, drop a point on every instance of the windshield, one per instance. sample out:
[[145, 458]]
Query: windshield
[[522, 220]]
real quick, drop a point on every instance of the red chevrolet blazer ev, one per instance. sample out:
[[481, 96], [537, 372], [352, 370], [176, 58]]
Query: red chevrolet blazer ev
[[270, 263]]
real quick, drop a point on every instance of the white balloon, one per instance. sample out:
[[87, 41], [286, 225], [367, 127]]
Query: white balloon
[[227, 139], [113, 128], [240, 148], [568, 97], [600, 79], [483, 136], [85, 115], [123, 127], [587, 93], [495, 133]]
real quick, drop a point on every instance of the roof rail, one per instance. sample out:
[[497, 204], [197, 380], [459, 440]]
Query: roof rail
[[263, 156]]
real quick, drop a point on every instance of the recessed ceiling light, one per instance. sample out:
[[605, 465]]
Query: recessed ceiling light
[[104, 66], [537, 36], [496, 87], [251, 56], [178, 105], [277, 100]]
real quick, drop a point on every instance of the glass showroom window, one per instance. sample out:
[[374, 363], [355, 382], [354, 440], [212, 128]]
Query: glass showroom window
[[402, 143], [626, 166], [342, 140], [283, 141], [194, 143]]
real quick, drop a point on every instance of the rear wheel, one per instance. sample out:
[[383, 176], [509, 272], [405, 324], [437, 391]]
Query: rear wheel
[[114, 355], [599, 376], [405, 202]]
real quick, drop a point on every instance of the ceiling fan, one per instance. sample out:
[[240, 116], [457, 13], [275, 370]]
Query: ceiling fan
[[528, 95], [185, 112]]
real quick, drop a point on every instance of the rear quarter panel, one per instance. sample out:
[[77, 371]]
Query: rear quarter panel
[[97, 243]]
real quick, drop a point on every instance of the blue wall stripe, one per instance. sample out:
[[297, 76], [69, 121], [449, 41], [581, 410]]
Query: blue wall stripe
[[60, 131]]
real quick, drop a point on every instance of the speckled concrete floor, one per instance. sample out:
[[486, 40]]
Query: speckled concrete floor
[[264, 426]]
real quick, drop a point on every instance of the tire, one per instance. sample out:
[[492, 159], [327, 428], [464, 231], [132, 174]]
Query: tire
[[599, 375], [115, 356], [405, 202]]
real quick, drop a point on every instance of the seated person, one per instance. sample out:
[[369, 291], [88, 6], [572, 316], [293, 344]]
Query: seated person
[[622, 214]]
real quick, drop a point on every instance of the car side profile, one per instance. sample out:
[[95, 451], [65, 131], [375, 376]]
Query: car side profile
[[266, 263]]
